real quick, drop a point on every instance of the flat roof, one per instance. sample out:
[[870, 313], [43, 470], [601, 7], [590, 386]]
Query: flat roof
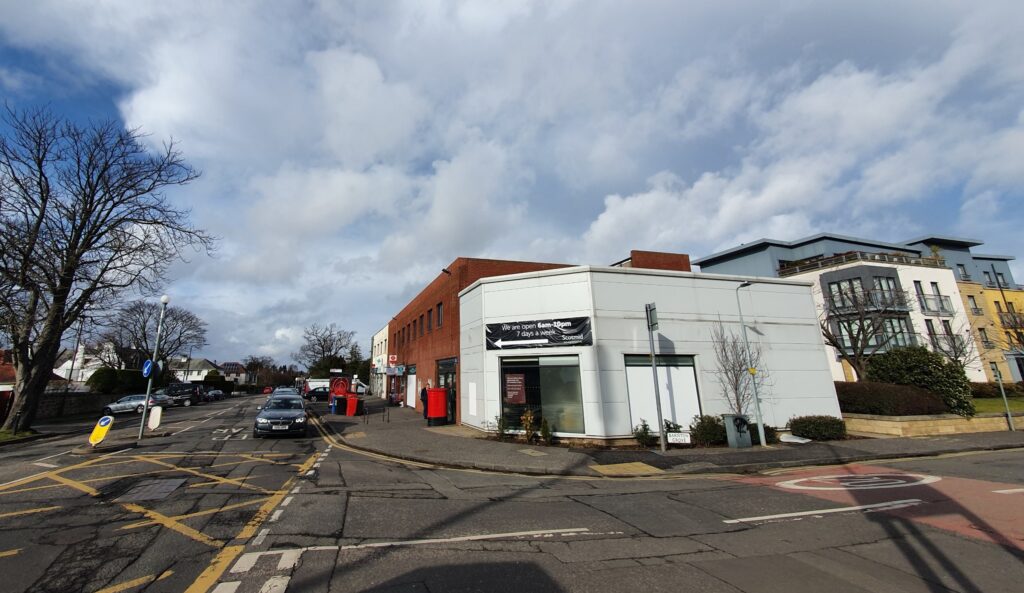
[[634, 271], [992, 256], [948, 240], [761, 243]]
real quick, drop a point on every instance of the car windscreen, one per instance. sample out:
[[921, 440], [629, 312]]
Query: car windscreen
[[284, 404]]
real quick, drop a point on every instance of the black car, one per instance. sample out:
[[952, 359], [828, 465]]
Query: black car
[[281, 415], [184, 394], [320, 394]]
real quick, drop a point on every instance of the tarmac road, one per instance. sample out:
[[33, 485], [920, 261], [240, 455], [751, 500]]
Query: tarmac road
[[211, 509]]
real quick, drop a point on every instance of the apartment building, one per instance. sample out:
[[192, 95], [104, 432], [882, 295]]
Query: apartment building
[[379, 362], [907, 293]]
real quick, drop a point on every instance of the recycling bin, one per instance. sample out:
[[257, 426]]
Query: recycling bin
[[737, 430]]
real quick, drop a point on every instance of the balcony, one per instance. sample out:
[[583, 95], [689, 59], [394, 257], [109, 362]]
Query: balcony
[[977, 311], [988, 344], [965, 277], [1011, 319], [878, 344], [872, 300], [950, 345], [935, 304], [811, 264]]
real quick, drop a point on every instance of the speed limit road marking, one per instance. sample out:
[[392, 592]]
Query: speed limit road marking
[[859, 482]]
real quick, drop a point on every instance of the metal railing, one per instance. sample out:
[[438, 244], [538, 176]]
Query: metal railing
[[977, 311], [988, 344], [871, 300], [935, 304], [807, 265], [1011, 319], [948, 343], [881, 343]]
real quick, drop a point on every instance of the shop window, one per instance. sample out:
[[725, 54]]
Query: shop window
[[550, 385]]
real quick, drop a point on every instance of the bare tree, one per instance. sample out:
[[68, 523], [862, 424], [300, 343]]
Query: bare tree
[[322, 342], [859, 323], [258, 366], [133, 330], [83, 220], [734, 364]]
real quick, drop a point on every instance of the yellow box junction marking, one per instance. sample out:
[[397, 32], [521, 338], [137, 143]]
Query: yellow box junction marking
[[28, 512], [135, 583], [198, 513], [173, 525], [9, 553]]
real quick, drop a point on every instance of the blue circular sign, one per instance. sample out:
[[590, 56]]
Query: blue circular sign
[[147, 368], [106, 420]]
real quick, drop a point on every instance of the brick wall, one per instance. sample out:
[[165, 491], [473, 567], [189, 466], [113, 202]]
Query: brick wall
[[441, 343], [657, 260]]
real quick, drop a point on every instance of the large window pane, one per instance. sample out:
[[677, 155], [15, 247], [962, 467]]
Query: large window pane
[[549, 385]]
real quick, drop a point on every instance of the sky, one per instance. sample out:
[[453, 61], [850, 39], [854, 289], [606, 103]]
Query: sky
[[350, 150]]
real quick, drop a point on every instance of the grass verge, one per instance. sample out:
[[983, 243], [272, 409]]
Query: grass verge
[[995, 405]]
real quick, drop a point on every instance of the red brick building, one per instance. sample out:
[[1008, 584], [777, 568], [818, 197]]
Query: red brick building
[[425, 334]]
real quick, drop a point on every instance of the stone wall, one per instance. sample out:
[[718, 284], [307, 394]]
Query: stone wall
[[913, 426], [55, 404]]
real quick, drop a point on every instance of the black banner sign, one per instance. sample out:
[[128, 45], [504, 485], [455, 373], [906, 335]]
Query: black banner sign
[[539, 333]]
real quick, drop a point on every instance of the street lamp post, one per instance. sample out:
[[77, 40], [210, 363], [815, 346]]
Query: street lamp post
[[750, 366], [156, 352]]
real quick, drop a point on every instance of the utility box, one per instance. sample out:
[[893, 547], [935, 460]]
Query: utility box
[[737, 430]]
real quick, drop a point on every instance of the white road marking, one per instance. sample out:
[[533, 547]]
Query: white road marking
[[227, 587], [289, 559], [881, 505], [317, 464], [52, 456], [1010, 491], [859, 481], [311, 472], [278, 584], [296, 489], [262, 535], [183, 430], [287, 501], [49, 465], [22, 479], [276, 515], [291, 556]]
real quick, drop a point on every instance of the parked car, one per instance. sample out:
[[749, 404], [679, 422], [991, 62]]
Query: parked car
[[286, 391], [131, 403], [268, 389], [183, 394], [281, 415], [217, 394], [318, 394]]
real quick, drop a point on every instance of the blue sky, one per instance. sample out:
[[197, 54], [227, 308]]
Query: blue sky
[[351, 150]]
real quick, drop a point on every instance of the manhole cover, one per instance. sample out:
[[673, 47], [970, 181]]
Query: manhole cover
[[151, 490]]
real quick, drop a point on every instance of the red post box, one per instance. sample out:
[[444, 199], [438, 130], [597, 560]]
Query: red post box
[[437, 402]]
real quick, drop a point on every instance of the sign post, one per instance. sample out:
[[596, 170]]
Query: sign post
[[1009, 415], [652, 325], [156, 351]]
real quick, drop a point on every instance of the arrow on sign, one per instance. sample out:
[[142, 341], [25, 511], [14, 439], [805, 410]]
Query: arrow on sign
[[502, 343]]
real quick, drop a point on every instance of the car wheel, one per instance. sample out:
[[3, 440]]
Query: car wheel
[[255, 434], [139, 409], [108, 412]]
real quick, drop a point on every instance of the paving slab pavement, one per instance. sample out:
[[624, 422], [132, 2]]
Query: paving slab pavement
[[403, 433]]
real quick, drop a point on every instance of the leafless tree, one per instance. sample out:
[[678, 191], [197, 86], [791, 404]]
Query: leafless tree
[[860, 323], [257, 366], [133, 331], [322, 342], [83, 220], [734, 364]]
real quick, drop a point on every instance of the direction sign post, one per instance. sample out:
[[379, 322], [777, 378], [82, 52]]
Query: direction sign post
[[156, 351], [652, 324], [147, 368]]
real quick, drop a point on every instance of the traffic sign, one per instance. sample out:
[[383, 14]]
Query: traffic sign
[[155, 415], [99, 432], [147, 368]]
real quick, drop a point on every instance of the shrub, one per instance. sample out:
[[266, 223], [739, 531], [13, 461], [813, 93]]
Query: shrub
[[103, 381], [643, 435], [545, 432], [770, 434], [707, 431], [672, 426], [130, 381], [984, 390], [818, 428], [916, 365], [501, 427], [529, 430], [888, 399]]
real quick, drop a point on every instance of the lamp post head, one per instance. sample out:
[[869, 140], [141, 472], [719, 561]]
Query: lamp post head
[[165, 299]]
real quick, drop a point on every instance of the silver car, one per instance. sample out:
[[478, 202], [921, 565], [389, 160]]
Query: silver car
[[133, 403]]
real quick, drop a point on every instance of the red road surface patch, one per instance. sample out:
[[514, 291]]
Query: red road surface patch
[[967, 507]]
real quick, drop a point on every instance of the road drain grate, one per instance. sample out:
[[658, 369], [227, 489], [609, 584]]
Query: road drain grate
[[151, 490]]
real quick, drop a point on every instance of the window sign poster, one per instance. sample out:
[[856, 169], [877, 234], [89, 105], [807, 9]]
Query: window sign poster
[[515, 388]]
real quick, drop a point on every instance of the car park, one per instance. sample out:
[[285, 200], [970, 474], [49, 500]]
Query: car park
[[133, 403], [281, 415]]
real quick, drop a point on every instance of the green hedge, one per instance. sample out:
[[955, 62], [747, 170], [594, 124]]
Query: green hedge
[[103, 380], [916, 365], [818, 428], [984, 390], [888, 399], [707, 431]]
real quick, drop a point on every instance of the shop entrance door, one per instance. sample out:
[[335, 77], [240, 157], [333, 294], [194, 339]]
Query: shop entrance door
[[411, 395], [446, 379]]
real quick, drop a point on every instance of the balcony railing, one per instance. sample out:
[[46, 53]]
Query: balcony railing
[[881, 344], [949, 344], [808, 265], [1011, 319], [977, 311], [872, 300], [988, 344], [965, 277], [935, 304]]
